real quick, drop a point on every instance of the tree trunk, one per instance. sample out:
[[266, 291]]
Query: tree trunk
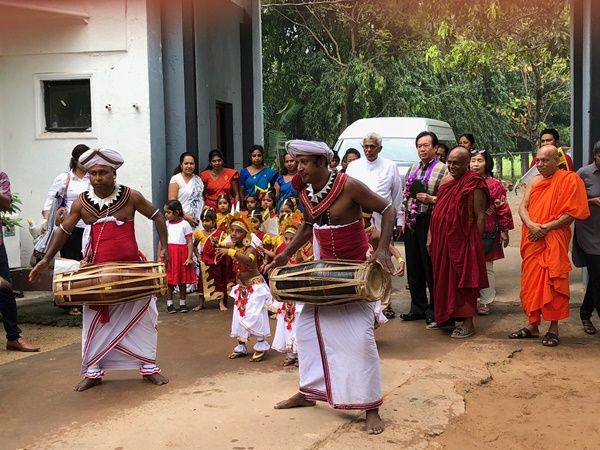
[[344, 108]]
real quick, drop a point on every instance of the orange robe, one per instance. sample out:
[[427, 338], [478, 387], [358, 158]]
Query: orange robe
[[546, 265]]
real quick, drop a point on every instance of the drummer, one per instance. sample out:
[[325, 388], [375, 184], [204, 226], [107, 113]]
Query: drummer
[[338, 355], [122, 336]]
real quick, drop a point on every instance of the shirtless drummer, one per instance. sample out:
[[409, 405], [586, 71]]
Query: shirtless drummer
[[339, 362], [121, 336]]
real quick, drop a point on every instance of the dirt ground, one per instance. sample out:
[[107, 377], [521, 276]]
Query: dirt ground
[[483, 392]]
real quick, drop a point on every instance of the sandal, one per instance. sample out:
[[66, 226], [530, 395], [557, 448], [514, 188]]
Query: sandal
[[523, 333], [257, 357], [290, 362], [550, 340], [74, 311], [235, 355], [588, 326], [462, 333], [483, 310]]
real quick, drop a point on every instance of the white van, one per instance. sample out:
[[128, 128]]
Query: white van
[[398, 137]]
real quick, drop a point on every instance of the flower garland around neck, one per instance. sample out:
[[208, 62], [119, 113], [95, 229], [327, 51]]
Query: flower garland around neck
[[415, 184]]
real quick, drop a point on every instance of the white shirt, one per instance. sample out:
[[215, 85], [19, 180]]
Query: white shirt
[[382, 177], [76, 186], [190, 194], [178, 231]]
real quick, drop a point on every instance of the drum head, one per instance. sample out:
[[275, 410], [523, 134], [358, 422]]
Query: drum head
[[378, 282]]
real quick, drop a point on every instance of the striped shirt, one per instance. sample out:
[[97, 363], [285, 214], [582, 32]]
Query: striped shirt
[[438, 172]]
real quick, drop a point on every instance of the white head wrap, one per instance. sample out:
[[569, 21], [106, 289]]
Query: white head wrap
[[299, 147], [101, 157]]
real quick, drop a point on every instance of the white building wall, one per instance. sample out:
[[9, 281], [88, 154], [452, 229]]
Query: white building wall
[[112, 48]]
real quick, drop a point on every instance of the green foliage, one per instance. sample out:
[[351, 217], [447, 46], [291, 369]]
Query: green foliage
[[8, 217], [499, 70]]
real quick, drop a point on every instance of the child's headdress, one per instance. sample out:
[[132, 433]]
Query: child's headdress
[[240, 220], [262, 193], [291, 223]]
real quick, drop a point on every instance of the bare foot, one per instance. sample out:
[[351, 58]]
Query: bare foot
[[297, 400], [198, 308], [374, 422], [87, 383], [222, 307], [156, 378]]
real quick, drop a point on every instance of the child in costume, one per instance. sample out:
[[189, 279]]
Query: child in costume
[[180, 269], [383, 309], [287, 312], [288, 206], [251, 202], [223, 208], [251, 294], [213, 279], [270, 224], [261, 241]]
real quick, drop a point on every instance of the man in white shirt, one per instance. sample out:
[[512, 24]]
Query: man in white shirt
[[381, 176]]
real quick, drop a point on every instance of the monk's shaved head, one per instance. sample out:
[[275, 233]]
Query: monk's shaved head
[[458, 162], [550, 151], [461, 152], [547, 160]]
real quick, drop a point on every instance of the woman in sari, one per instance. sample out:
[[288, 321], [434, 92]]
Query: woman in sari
[[187, 187], [284, 181], [219, 180], [257, 176], [498, 221]]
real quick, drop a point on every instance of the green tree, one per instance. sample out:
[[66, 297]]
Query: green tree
[[495, 69]]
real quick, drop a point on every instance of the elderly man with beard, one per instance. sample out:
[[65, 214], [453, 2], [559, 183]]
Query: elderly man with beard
[[455, 243]]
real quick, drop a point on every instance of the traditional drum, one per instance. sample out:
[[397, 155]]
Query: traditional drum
[[109, 283], [330, 282]]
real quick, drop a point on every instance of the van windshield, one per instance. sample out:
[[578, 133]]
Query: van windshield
[[399, 150]]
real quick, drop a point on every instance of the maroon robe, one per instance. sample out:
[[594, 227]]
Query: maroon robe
[[456, 249]]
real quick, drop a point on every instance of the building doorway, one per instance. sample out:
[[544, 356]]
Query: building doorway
[[224, 128]]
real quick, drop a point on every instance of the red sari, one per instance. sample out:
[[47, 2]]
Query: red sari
[[456, 249], [213, 187]]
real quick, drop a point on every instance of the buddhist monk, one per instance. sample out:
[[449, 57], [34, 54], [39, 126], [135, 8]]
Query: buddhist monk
[[455, 243], [552, 201]]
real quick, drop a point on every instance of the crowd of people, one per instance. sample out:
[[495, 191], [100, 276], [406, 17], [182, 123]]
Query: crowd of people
[[222, 232]]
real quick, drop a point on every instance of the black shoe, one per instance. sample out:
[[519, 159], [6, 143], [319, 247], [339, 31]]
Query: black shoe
[[183, 308], [408, 317], [171, 309]]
